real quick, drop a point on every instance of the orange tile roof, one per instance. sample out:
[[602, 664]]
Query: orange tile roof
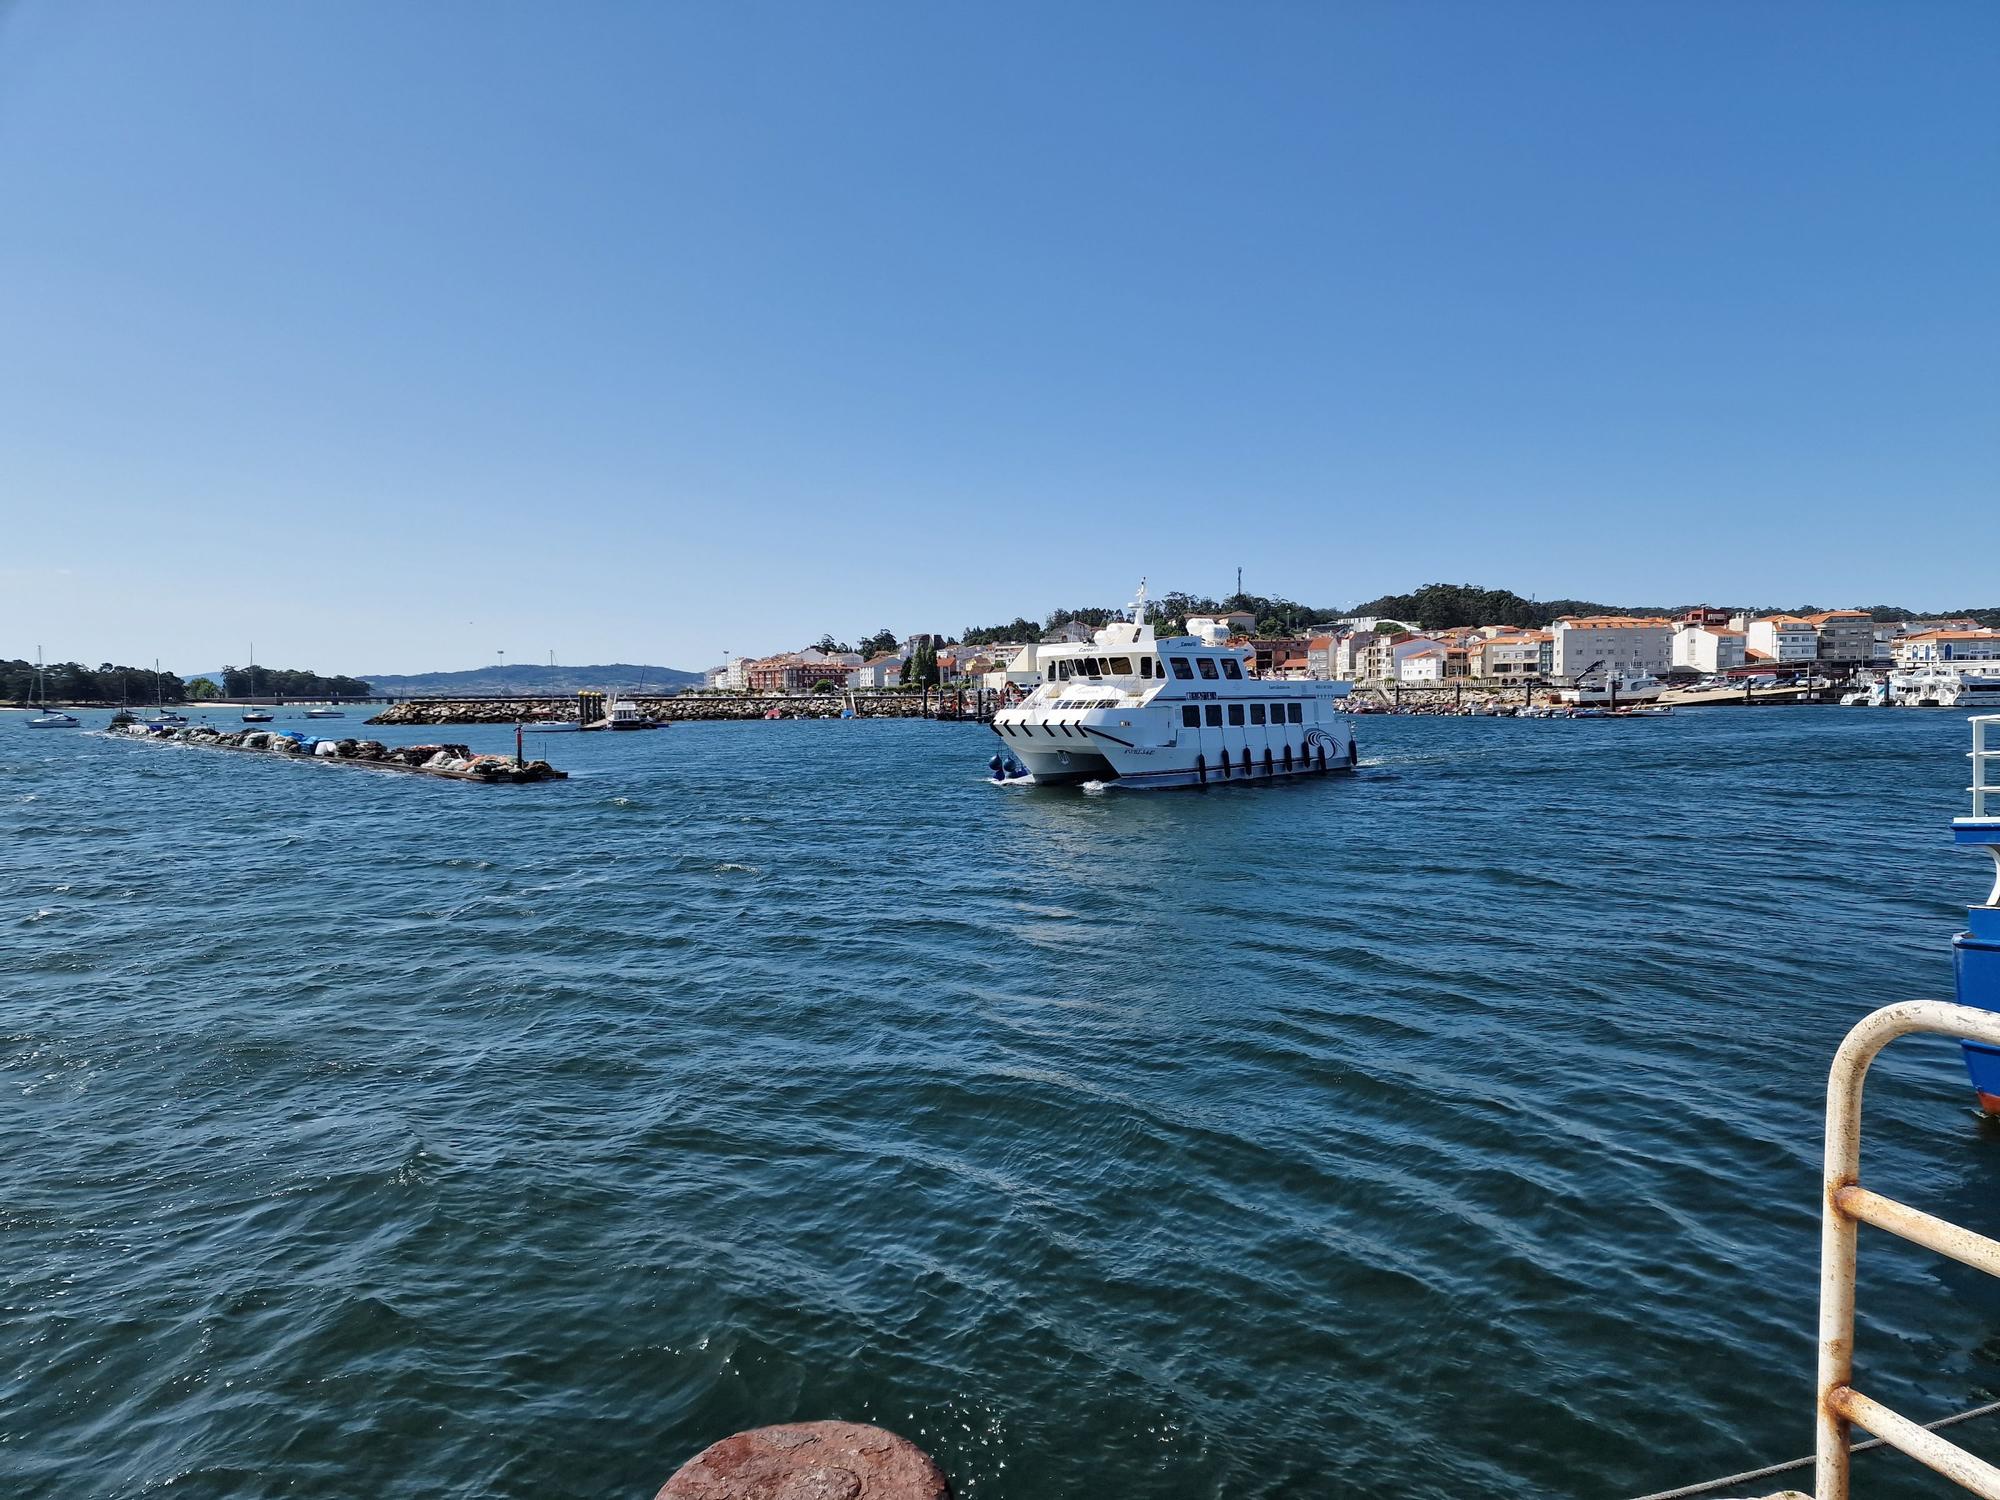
[[1611, 622]]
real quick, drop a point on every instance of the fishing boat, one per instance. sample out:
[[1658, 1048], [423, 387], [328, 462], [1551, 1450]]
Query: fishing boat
[[1189, 710], [46, 717]]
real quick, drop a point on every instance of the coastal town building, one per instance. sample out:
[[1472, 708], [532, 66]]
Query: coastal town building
[[1281, 654], [1937, 647], [1846, 637], [1321, 651], [884, 671], [1708, 647], [1425, 666], [1515, 657], [795, 672], [1020, 674], [1623, 643], [1069, 633], [1350, 655], [1384, 660], [1783, 640]]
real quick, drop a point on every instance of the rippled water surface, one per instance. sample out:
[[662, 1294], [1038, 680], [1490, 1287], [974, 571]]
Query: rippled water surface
[[1452, 1129]]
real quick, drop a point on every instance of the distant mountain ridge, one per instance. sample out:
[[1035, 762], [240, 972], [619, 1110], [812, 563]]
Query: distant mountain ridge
[[528, 679]]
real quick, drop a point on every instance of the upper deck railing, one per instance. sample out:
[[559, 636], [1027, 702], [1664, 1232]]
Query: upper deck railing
[[1985, 757]]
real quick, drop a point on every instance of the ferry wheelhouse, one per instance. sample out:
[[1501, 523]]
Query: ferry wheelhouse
[[1184, 711]]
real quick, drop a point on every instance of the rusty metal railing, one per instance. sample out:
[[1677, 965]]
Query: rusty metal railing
[[1848, 1206]]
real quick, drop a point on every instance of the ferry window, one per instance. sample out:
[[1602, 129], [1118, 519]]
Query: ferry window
[[1121, 666], [1214, 715], [1232, 669], [1062, 671], [1092, 667], [1277, 713], [1236, 713], [1256, 713], [1207, 666], [1190, 716], [1292, 714], [1145, 666], [1181, 668]]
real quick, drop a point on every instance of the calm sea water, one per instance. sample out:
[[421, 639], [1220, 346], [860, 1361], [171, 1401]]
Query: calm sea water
[[1452, 1129]]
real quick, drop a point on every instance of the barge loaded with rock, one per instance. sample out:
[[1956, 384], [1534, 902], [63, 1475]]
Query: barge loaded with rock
[[452, 762]]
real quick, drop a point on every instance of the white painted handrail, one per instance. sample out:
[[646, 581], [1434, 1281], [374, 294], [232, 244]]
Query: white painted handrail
[[1846, 1207]]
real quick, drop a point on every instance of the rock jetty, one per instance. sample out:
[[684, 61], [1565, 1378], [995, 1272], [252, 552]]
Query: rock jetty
[[684, 708], [453, 762]]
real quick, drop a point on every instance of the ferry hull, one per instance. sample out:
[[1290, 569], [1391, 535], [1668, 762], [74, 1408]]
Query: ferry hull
[[1976, 962], [1096, 755]]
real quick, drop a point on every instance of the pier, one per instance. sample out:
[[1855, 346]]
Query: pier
[[447, 762]]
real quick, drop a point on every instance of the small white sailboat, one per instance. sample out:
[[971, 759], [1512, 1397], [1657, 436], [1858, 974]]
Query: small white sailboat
[[48, 718]]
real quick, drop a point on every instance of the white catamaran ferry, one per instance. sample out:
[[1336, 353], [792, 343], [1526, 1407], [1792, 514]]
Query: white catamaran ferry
[[1185, 711]]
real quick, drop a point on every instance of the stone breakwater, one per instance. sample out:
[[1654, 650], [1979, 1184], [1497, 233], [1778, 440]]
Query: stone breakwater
[[666, 710], [453, 762]]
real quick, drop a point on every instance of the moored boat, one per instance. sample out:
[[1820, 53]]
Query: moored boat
[[46, 717], [1598, 687]]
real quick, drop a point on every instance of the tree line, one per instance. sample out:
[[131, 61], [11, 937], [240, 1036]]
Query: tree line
[[285, 682], [1436, 606], [72, 682]]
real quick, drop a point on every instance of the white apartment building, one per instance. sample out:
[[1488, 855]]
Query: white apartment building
[[1350, 655], [1386, 661], [1709, 648], [1935, 647], [1425, 666], [1786, 639], [883, 671], [1635, 644], [1509, 658]]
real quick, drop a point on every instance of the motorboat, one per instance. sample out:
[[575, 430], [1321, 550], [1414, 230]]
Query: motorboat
[[1611, 689], [326, 713], [1943, 686], [1189, 710], [625, 714]]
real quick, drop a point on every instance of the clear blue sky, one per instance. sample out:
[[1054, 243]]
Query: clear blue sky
[[395, 335]]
